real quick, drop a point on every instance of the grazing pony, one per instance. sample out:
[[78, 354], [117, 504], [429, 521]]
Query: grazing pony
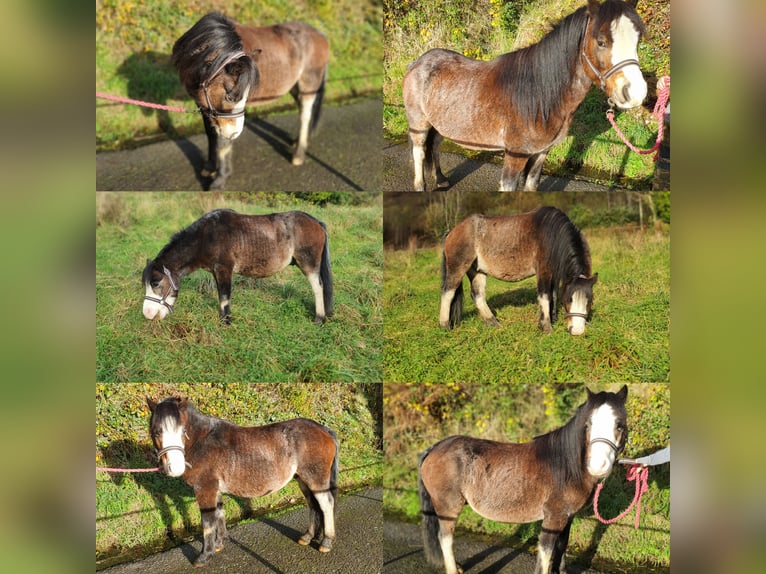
[[215, 456], [543, 242], [224, 242], [225, 66], [522, 102], [548, 479]]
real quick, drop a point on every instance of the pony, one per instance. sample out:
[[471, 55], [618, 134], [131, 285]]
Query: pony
[[226, 66], [543, 242], [548, 479], [215, 456], [224, 242], [522, 102]]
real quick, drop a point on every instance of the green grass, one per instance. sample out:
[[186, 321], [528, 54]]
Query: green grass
[[484, 29], [134, 41], [272, 337], [416, 416], [138, 514], [628, 338]]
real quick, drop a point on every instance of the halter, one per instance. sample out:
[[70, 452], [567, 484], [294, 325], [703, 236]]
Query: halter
[[173, 291], [602, 78], [581, 315], [173, 447], [607, 442], [210, 111]]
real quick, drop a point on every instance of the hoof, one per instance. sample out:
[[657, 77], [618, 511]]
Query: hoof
[[305, 540], [226, 319], [298, 160], [200, 561], [546, 328], [442, 185], [493, 322], [318, 320], [326, 545]]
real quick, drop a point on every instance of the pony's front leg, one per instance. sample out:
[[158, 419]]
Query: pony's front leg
[[544, 299], [558, 559], [208, 500], [218, 166], [513, 165], [534, 169], [222, 275]]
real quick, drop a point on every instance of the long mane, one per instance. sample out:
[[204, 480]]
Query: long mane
[[536, 78], [566, 252], [191, 235], [564, 449]]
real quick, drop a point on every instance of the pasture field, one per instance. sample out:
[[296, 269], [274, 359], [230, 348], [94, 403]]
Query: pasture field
[[271, 337], [628, 338], [418, 415], [139, 514], [484, 29], [134, 41]]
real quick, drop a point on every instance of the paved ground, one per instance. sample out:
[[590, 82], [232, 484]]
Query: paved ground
[[403, 554], [269, 545], [343, 154], [464, 174]]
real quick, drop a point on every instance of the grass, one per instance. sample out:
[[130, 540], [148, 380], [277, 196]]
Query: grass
[[484, 29], [134, 42], [271, 338], [138, 514], [416, 417], [628, 338]]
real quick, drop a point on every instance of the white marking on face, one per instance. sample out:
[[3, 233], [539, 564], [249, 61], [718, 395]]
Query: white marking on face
[[625, 47], [579, 305], [154, 310], [603, 423], [232, 128], [174, 460]]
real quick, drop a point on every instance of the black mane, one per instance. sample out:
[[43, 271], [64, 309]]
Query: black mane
[[565, 249], [189, 237], [537, 77]]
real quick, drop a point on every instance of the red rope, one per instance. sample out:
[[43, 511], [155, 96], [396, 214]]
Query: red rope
[[144, 104], [659, 111], [640, 474], [127, 469]]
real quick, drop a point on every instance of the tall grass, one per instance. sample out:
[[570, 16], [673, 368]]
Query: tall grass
[[137, 514], [271, 338], [628, 338], [484, 29], [134, 41]]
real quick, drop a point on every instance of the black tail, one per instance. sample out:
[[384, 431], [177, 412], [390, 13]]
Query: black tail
[[334, 472], [430, 529], [325, 276], [316, 107], [428, 163], [456, 305]]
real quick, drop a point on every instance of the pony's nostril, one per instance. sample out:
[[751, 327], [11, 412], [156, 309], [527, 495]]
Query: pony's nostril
[[626, 92]]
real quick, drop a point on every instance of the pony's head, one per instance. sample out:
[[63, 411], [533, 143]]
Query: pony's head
[[216, 72], [610, 51], [161, 290], [168, 434], [578, 300], [606, 430]]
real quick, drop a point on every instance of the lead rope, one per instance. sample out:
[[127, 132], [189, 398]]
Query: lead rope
[[638, 473], [659, 111], [102, 468]]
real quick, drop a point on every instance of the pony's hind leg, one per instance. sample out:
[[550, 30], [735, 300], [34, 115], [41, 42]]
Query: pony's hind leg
[[306, 103], [418, 140], [316, 287], [513, 165], [433, 142], [327, 505], [533, 170], [479, 296]]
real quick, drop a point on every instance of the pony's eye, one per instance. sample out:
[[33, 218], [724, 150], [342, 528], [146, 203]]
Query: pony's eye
[[601, 43], [155, 284]]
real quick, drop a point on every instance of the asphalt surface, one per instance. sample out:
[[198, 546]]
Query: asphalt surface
[[343, 154], [403, 554], [463, 174], [270, 545]]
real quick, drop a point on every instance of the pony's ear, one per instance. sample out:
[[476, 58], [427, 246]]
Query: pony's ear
[[151, 404], [632, 3], [594, 278], [622, 394], [593, 6], [590, 393], [182, 403]]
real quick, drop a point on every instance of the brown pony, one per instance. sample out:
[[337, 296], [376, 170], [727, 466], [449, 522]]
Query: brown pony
[[215, 456], [522, 102], [543, 242], [224, 242], [548, 479], [225, 66]]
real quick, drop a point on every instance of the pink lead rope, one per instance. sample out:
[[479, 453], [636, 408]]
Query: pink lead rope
[[638, 473], [659, 111], [144, 104], [127, 469]]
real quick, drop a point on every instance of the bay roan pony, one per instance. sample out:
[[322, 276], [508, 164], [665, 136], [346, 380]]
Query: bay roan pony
[[226, 66], [522, 102], [224, 242], [543, 242], [215, 456], [548, 479]]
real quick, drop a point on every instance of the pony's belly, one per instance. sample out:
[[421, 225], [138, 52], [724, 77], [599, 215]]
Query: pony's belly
[[512, 514], [506, 270]]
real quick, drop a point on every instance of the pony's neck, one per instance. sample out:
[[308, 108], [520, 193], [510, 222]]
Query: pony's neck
[[179, 255]]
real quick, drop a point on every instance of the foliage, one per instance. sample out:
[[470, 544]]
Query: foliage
[[137, 514], [134, 42], [418, 415], [271, 338]]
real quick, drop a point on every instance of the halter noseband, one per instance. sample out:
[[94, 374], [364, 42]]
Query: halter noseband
[[173, 291], [581, 315], [607, 442], [602, 78], [210, 111]]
